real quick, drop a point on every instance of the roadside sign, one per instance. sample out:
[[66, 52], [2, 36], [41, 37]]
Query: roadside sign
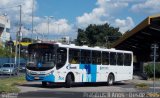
[[154, 56], [154, 50]]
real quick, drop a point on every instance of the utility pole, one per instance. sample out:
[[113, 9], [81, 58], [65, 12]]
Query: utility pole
[[48, 26], [17, 51], [32, 18], [48, 17], [154, 56], [20, 24]]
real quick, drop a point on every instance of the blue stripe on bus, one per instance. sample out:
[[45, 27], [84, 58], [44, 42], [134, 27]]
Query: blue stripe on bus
[[93, 73], [91, 70], [49, 78], [29, 78]]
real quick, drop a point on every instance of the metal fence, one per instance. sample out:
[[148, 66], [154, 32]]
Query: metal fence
[[10, 60]]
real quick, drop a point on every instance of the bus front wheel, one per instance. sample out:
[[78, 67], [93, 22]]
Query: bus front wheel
[[69, 81], [44, 84], [110, 80]]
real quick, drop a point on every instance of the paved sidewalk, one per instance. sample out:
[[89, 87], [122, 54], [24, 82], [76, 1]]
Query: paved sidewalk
[[148, 82]]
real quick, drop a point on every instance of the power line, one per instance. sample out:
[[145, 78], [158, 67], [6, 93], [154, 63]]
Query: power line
[[10, 7]]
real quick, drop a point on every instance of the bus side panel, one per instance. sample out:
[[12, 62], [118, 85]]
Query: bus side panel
[[112, 69], [62, 73], [74, 68], [89, 72], [103, 71], [124, 73]]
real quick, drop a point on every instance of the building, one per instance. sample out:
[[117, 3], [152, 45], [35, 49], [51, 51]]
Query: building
[[4, 30], [140, 39]]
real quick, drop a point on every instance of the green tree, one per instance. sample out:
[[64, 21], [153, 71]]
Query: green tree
[[98, 35], [6, 52], [81, 38]]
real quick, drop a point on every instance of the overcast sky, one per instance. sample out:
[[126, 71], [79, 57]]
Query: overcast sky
[[68, 15]]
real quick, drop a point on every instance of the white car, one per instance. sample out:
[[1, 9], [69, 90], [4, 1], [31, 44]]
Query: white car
[[9, 68]]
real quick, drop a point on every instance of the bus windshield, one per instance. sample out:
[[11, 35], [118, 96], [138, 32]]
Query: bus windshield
[[41, 57]]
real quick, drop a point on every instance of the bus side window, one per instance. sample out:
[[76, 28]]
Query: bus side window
[[61, 57], [113, 58], [127, 59], [74, 56], [120, 59], [105, 58], [96, 57], [85, 56]]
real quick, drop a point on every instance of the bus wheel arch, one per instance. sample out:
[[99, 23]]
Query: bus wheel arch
[[110, 79], [44, 84], [70, 79]]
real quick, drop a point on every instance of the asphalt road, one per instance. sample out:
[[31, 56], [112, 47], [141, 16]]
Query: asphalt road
[[119, 90]]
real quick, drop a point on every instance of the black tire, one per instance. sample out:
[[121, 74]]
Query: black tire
[[16, 73], [69, 81], [110, 80], [44, 84]]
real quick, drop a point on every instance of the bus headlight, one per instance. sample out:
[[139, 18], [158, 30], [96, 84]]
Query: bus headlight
[[28, 72], [52, 72]]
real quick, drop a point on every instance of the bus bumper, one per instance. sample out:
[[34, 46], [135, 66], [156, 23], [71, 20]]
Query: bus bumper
[[47, 78]]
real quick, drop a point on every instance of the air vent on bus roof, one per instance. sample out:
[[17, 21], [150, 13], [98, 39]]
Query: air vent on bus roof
[[113, 48], [96, 47], [84, 46], [72, 44], [39, 41], [58, 43]]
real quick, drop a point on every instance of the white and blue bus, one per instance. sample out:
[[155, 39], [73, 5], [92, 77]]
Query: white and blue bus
[[58, 63]]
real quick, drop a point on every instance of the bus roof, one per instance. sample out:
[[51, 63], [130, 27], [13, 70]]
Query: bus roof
[[85, 47], [92, 48]]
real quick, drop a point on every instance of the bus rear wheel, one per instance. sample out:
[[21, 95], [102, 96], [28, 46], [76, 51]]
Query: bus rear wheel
[[44, 84], [69, 81], [110, 80]]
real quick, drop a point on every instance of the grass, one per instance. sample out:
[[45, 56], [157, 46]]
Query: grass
[[156, 95], [8, 85], [142, 86], [151, 79]]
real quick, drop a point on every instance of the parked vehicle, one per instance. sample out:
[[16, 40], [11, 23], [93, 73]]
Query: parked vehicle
[[9, 68], [22, 67]]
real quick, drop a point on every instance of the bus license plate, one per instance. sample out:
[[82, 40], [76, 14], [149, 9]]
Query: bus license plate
[[36, 77]]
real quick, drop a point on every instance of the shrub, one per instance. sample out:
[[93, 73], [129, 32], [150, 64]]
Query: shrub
[[6, 52], [142, 86], [9, 85], [149, 69]]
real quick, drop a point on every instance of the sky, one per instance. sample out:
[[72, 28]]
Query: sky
[[64, 17]]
